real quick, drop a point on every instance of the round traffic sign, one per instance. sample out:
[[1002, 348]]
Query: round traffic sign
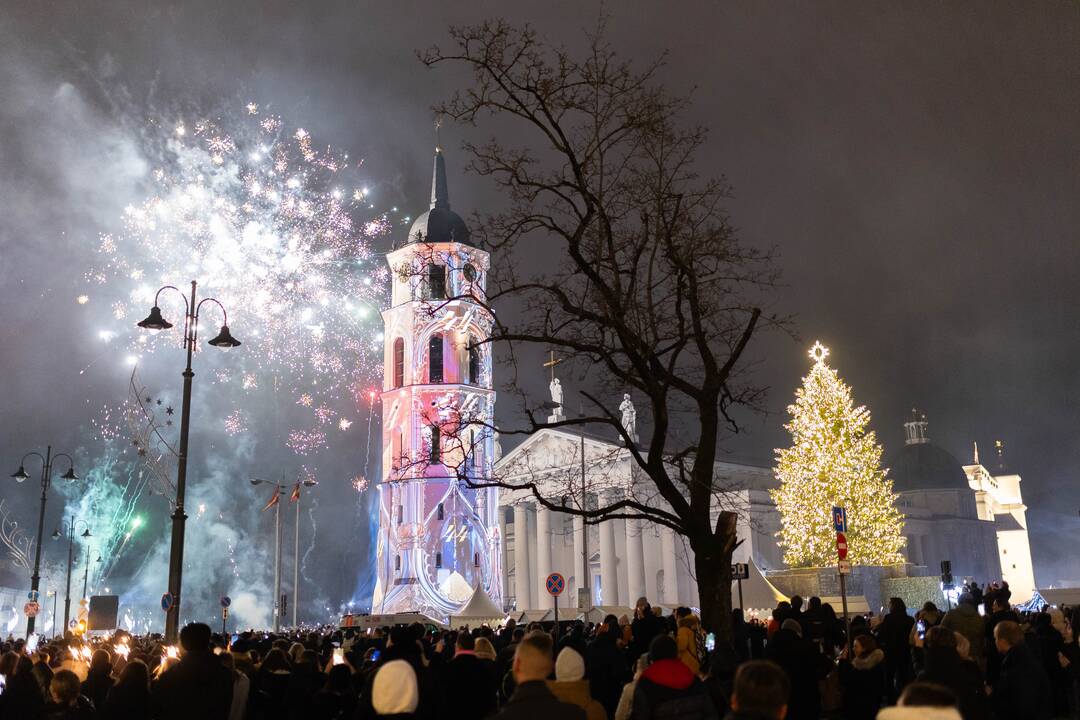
[[841, 545], [555, 584], [32, 596], [226, 601], [166, 602], [31, 609]]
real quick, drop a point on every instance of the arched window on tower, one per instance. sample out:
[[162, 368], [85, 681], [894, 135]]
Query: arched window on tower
[[399, 362], [438, 559], [436, 282], [435, 359], [474, 363], [435, 454], [476, 559]]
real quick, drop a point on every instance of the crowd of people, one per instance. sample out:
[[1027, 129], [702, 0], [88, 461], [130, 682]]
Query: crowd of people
[[803, 663]]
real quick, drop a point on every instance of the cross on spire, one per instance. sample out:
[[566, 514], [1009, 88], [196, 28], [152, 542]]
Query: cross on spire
[[552, 362]]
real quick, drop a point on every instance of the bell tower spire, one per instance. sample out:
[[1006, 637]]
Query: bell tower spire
[[440, 195]]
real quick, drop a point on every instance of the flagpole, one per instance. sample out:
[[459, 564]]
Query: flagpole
[[296, 560], [277, 565]]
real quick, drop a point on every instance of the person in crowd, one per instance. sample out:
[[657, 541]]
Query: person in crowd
[[394, 691], [1000, 611], [740, 635], [241, 687], [1047, 642], [645, 627], [198, 685], [761, 692], [272, 685], [690, 639], [485, 650], [532, 700], [98, 678], [944, 666], [468, 685], [668, 689], [129, 697], [804, 666], [504, 662], [626, 698], [965, 619], [571, 686], [923, 701], [605, 666], [779, 614], [863, 679], [1022, 689], [893, 634], [66, 702], [720, 676]]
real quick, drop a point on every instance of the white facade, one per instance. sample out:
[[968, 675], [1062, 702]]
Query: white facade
[[627, 558]]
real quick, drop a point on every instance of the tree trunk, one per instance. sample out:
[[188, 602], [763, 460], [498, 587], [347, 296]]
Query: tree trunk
[[712, 563]]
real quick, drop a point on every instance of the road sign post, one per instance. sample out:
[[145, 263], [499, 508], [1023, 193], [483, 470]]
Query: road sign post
[[843, 567], [740, 572], [555, 584]]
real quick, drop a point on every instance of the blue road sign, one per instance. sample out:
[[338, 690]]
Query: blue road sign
[[555, 584], [839, 519], [166, 602], [32, 596], [226, 601]]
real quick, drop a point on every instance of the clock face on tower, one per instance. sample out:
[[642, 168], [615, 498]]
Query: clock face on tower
[[469, 271]]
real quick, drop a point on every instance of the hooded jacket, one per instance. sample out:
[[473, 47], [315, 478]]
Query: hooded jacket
[[669, 690], [576, 692], [687, 642], [863, 680], [919, 713]]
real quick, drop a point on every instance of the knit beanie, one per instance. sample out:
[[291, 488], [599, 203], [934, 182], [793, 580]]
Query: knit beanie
[[569, 666], [394, 690]]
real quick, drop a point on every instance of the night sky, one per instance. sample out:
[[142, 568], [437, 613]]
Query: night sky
[[917, 165]]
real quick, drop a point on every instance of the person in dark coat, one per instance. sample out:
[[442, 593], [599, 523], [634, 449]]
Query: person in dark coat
[[532, 700], [22, 696], [668, 690], [1000, 612], [804, 666], [467, 686], [67, 702], [760, 692], [740, 635], [645, 627], [944, 666], [198, 686], [863, 679], [1022, 689], [98, 680], [894, 635], [504, 663], [605, 666], [129, 697]]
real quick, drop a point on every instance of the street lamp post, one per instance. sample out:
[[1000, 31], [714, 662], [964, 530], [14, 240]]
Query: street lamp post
[[71, 556], [46, 480], [296, 555], [155, 321]]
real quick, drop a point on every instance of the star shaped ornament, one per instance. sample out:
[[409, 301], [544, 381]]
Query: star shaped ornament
[[819, 353]]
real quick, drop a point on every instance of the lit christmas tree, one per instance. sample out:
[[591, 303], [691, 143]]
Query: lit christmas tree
[[834, 460]]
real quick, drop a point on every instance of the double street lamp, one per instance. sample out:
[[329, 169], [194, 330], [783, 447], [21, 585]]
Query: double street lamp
[[278, 492], [21, 475], [224, 340], [71, 556]]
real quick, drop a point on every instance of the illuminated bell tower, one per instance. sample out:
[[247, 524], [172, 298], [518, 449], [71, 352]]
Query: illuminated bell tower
[[438, 538]]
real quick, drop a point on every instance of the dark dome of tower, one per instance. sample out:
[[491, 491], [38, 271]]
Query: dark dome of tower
[[921, 465], [440, 223]]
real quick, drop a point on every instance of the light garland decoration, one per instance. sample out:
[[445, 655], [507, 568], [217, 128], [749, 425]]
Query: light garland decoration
[[834, 460]]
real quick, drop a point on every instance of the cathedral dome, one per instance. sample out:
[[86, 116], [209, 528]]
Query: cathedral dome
[[440, 223], [921, 465]]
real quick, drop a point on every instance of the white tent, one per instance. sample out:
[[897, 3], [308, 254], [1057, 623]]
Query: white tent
[[758, 594], [524, 617], [479, 610], [597, 613]]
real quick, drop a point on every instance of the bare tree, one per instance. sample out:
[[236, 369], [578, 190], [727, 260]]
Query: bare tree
[[652, 289]]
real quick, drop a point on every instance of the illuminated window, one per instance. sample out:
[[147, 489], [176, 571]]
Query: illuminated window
[[435, 359], [474, 364], [399, 362], [436, 282], [436, 444]]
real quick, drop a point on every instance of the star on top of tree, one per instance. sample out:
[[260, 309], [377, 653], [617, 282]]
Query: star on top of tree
[[819, 353]]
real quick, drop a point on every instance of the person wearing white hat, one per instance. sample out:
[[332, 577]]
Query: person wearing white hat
[[394, 693], [571, 686]]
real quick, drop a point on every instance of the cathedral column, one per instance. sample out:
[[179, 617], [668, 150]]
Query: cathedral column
[[504, 562], [667, 557], [521, 557], [543, 555], [609, 569], [635, 562]]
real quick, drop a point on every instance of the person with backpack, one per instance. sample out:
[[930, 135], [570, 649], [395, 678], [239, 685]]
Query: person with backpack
[[690, 639]]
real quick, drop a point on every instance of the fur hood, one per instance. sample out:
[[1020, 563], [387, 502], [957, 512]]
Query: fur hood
[[919, 713], [869, 662], [690, 621]]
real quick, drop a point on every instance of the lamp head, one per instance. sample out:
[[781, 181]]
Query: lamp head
[[20, 474], [56, 535], [154, 321], [224, 339], [86, 533], [310, 483], [69, 475]]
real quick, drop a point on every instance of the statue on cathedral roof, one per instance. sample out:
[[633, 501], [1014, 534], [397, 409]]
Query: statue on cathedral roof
[[629, 417]]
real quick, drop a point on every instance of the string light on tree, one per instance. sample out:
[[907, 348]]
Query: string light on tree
[[834, 460]]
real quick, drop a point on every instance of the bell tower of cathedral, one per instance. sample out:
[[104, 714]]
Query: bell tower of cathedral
[[438, 537]]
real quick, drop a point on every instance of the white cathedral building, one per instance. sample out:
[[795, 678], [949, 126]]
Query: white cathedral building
[[441, 541]]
